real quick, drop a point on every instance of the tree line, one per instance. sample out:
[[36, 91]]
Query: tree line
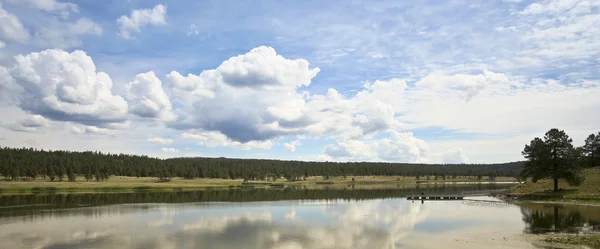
[[554, 157], [30, 163]]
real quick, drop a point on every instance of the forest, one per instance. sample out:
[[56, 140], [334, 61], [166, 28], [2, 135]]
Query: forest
[[30, 163]]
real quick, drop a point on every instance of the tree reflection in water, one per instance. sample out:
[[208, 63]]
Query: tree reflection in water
[[35, 204], [543, 218]]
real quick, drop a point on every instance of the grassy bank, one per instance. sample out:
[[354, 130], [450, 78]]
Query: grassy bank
[[560, 240], [123, 183], [589, 191]]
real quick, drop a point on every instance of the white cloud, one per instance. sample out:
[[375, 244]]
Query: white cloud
[[291, 146], [148, 99], [398, 147], [159, 140], [496, 105], [11, 28], [62, 8], [549, 7], [85, 26], [216, 139], [263, 67], [65, 86], [92, 130], [8, 87], [563, 29], [170, 150], [366, 113], [140, 18], [33, 123], [469, 84], [64, 35], [454, 156], [323, 158], [193, 30], [251, 97], [502, 107]]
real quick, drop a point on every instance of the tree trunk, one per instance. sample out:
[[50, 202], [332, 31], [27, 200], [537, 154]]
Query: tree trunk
[[555, 184]]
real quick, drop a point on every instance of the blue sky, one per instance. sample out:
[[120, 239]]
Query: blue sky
[[399, 81]]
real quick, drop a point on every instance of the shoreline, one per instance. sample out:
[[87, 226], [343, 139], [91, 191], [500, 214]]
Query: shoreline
[[133, 184], [513, 198], [588, 193], [564, 240]]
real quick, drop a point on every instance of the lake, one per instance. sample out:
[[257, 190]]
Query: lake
[[283, 218]]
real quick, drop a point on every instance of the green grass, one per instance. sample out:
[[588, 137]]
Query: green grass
[[589, 191], [591, 240], [115, 183], [124, 183]]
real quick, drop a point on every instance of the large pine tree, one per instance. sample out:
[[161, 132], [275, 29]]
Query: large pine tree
[[553, 157]]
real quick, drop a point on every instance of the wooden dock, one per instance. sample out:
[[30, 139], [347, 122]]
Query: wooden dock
[[434, 198]]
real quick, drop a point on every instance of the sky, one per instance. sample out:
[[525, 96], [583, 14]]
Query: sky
[[392, 81]]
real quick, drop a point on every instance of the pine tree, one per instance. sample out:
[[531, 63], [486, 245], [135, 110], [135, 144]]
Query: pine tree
[[591, 149], [70, 174], [88, 173], [553, 157]]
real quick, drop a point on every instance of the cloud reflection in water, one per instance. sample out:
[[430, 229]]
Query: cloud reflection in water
[[381, 223]]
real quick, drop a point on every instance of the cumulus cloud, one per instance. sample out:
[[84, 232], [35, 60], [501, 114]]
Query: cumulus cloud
[[33, 123], [65, 86], [251, 97], [140, 18], [398, 147], [502, 107], [159, 140], [291, 146], [11, 28], [256, 97], [366, 113], [216, 139], [8, 87], [370, 111], [61, 8], [148, 99], [455, 156], [263, 67], [170, 150]]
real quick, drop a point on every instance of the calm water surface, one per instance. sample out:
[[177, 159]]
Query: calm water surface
[[280, 219]]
